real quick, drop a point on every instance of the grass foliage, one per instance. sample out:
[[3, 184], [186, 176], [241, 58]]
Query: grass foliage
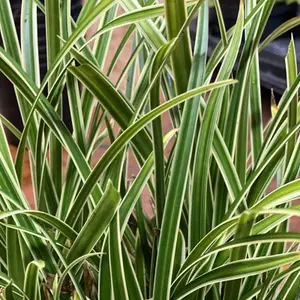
[[218, 232]]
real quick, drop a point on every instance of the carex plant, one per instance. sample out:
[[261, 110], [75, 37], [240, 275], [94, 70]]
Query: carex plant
[[218, 231]]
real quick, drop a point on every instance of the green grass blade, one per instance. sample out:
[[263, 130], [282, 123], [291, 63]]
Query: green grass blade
[[8, 31], [104, 283], [140, 267], [242, 139], [5, 151], [119, 108], [266, 285], [96, 224], [101, 45], [100, 50], [246, 220], [198, 207], [87, 10], [226, 166], [256, 110], [281, 195], [292, 169], [283, 28], [132, 196], [120, 48], [289, 289], [72, 84], [49, 219], [133, 287], [29, 39], [176, 15], [14, 256], [147, 28], [132, 17], [116, 260], [179, 254], [158, 148], [221, 23], [8, 292], [129, 70], [52, 8], [237, 270], [31, 284], [291, 69], [10, 127]]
